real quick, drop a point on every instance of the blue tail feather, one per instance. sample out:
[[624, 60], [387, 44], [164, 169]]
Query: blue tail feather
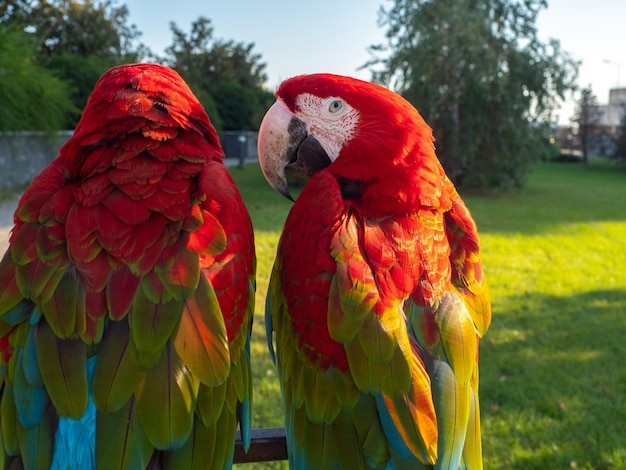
[[75, 439]]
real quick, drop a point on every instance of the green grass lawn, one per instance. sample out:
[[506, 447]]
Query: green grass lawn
[[553, 364]]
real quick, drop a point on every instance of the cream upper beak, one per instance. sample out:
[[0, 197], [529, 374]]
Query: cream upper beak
[[275, 143]]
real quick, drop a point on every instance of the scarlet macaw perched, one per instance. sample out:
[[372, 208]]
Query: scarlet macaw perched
[[377, 298], [126, 293]]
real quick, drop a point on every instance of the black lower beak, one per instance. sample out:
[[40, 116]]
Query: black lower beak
[[308, 158]]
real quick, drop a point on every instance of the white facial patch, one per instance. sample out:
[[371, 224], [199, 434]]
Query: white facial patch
[[332, 121]]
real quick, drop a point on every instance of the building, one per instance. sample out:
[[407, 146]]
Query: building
[[611, 114], [608, 127], [604, 132]]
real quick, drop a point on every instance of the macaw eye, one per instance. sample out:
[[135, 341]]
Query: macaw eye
[[335, 106]]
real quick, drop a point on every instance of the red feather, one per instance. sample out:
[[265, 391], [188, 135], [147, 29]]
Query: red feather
[[126, 209], [121, 291]]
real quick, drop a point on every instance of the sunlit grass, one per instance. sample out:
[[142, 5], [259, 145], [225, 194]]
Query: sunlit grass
[[553, 372]]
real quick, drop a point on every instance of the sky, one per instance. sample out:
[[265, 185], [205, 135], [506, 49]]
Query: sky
[[295, 37]]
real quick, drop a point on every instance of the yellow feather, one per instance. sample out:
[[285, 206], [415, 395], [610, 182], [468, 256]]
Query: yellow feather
[[458, 336]]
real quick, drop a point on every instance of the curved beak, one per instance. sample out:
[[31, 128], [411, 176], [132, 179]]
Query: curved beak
[[284, 144]]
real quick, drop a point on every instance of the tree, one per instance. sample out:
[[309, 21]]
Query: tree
[[77, 39], [80, 27], [480, 76], [231, 73], [587, 116], [32, 97]]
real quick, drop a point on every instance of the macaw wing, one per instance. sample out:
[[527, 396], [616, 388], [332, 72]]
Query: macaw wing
[[448, 330], [327, 419], [343, 351], [377, 266]]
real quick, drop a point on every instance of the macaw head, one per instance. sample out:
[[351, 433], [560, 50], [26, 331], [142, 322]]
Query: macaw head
[[358, 130], [133, 100]]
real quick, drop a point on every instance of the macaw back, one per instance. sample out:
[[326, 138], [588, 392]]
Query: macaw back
[[126, 293]]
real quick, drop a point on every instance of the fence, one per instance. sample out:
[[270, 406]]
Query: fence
[[24, 154]]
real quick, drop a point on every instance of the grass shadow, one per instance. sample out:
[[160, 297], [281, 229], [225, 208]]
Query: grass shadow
[[553, 370]]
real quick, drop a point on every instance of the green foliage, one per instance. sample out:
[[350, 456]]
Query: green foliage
[[235, 104], [76, 39], [480, 76], [544, 143], [32, 97], [553, 385], [210, 107], [230, 72], [240, 107], [212, 61], [81, 27], [81, 73]]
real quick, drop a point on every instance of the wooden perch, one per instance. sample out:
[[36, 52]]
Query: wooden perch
[[266, 445]]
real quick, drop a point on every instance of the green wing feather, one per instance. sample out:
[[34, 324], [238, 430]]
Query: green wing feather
[[10, 423], [211, 402], [167, 417], [121, 440], [63, 366], [152, 324], [65, 311], [36, 443], [116, 376]]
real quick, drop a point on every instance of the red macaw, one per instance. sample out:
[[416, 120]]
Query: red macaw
[[377, 298], [127, 290]]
